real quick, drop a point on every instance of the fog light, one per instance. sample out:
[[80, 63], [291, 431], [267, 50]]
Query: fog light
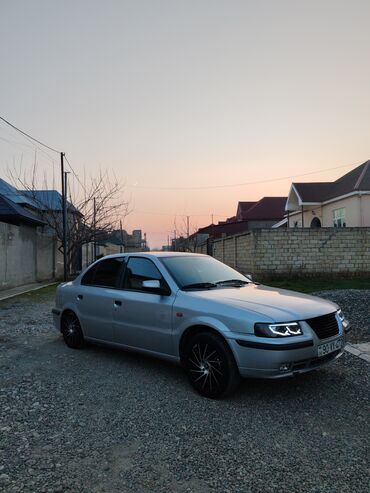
[[284, 367]]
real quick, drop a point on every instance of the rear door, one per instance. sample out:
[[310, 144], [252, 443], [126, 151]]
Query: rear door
[[96, 298], [144, 318]]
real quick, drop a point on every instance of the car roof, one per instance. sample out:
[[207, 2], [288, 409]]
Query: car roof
[[154, 254]]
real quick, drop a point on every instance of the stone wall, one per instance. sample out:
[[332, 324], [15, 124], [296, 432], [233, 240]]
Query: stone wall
[[269, 253]]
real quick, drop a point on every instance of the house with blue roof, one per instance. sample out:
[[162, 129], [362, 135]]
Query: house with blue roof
[[29, 248], [11, 193], [48, 200]]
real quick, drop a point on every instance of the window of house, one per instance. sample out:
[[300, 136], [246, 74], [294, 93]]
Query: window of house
[[104, 273], [339, 217]]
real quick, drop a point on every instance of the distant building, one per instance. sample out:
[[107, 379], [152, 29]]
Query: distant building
[[341, 203], [135, 242], [117, 241], [250, 215]]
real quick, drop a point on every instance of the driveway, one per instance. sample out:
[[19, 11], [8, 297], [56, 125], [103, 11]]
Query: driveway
[[103, 420]]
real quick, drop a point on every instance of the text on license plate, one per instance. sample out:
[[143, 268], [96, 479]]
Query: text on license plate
[[329, 347]]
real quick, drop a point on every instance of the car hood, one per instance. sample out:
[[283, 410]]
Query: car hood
[[280, 305]]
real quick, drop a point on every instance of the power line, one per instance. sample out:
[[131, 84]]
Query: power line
[[75, 174], [32, 146], [233, 185], [177, 215], [13, 142], [28, 135]]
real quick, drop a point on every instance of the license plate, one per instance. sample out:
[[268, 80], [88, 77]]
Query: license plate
[[329, 347]]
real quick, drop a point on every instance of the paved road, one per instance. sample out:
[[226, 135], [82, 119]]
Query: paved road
[[101, 420]]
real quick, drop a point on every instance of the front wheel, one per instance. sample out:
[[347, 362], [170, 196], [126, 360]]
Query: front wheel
[[210, 365], [71, 331]]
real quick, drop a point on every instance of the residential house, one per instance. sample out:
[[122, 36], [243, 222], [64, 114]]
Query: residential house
[[249, 215], [13, 213], [261, 214], [344, 202], [17, 197], [38, 208], [26, 256]]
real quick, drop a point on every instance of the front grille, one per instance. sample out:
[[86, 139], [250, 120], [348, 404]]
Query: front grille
[[325, 326]]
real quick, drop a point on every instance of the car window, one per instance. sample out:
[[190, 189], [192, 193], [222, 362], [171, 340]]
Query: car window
[[89, 275], [140, 269], [188, 270], [105, 273]]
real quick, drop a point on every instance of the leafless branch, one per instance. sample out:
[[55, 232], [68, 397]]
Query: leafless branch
[[85, 223]]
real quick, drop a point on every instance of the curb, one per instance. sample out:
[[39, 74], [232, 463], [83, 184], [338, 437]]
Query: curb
[[360, 350], [26, 290]]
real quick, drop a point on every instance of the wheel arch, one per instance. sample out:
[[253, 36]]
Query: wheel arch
[[192, 330]]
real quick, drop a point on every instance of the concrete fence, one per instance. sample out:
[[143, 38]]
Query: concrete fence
[[269, 253], [26, 256]]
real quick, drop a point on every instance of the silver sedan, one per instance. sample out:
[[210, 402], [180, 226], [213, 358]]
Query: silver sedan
[[194, 310]]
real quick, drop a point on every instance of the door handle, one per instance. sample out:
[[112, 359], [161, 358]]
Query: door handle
[[117, 303], [80, 297]]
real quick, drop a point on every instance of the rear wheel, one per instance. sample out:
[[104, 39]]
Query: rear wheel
[[211, 366], [71, 331]]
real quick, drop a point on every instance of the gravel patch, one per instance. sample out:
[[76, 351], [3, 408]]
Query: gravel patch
[[103, 420], [355, 304]]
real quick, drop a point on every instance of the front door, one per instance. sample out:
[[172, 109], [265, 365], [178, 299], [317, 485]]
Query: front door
[[143, 319]]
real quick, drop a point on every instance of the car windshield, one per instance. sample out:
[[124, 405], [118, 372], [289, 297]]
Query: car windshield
[[201, 272]]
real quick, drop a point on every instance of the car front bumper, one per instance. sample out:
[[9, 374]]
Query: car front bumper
[[278, 358]]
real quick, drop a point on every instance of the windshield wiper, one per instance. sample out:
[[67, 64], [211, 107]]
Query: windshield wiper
[[200, 285], [238, 282]]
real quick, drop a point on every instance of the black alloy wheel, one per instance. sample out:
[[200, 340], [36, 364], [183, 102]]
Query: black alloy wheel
[[71, 330], [211, 366]]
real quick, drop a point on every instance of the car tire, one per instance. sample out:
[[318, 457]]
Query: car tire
[[71, 330], [211, 366]]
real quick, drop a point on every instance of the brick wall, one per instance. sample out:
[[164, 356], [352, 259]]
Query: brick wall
[[269, 253]]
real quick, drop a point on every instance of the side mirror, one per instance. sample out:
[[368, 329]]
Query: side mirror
[[249, 276], [152, 284]]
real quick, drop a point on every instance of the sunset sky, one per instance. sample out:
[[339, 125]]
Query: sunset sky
[[177, 94]]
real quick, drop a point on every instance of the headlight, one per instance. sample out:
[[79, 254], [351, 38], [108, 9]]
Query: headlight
[[344, 322], [278, 330], [340, 315]]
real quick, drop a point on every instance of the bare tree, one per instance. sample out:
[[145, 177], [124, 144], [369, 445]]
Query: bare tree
[[95, 207], [186, 238]]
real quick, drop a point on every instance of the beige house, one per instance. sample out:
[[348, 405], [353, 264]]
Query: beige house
[[344, 202]]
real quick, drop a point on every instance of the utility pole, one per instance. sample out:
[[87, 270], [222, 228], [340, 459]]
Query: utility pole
[[65, 225], [187, 232], [94, 222], [120, 226], [64, 218]]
